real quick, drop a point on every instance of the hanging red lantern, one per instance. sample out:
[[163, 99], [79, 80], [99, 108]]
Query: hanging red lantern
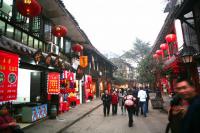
[[155, 56], [170, 38], [159, 52], [28, 8], [164, 46], [59, 31], [77, 47]]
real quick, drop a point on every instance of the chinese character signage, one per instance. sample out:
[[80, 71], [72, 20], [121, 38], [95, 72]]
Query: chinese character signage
[[53, 83], [9, 64]]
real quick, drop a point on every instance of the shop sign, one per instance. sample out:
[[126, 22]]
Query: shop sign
[[53, 83], [9, 64], [83, 61]]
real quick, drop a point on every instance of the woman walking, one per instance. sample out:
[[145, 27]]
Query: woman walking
[[121, 101]]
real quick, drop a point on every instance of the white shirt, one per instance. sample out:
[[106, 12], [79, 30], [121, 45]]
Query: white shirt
[[142, 95]]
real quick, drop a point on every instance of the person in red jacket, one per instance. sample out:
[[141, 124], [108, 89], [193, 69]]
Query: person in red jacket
[[114, 102]]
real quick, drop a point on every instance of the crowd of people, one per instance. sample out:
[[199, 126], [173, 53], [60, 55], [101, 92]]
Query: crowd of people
[[131, 100], [184, 112]]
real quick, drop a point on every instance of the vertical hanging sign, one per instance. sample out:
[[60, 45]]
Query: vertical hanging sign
[[9, 64], [53, 83]]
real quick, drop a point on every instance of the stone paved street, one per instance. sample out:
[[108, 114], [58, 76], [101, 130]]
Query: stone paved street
[[97, 123]]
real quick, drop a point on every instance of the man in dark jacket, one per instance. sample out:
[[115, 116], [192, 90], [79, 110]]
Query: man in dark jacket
[[106, 98], [191, 119]]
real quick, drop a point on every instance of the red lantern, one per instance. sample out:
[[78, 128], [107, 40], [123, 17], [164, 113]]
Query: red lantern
[[77, 47], [155, 56], [28, 8], [164, 46], [170, 38], [59, 31], [159, 52]]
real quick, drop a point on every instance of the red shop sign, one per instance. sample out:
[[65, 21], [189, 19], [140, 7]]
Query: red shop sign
[[53, 83], [9, 64]]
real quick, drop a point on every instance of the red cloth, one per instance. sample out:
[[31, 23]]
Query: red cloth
[[114, 99]]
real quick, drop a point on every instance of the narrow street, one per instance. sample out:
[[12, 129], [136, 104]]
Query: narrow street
[[97, 123]]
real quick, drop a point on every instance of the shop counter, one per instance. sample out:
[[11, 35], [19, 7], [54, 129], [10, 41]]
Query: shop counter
[[34, 112]]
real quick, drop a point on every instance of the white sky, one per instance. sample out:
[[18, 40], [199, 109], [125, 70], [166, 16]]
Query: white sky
[[113, 25]]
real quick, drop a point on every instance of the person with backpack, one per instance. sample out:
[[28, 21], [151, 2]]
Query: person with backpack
[[130, 104]]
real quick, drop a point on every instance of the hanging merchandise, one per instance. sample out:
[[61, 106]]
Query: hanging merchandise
[[9, 64], [53, 83], [29, 8], [89, 79]]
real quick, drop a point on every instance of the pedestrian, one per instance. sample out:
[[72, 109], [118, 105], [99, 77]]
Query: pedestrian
[[191, 119], [136, 109], [106, 98], [147, 99], [114, 101], [130, 103], [7, 123], [142, 95], [176, 114], [121, 101]]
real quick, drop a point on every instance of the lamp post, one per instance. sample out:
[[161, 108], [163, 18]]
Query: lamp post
[[187, 57]]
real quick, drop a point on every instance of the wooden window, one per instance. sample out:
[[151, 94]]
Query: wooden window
[[40, 44], [18, 35], [67, 46], [36, 43], [9, 31], [30, 41], [2, 26], [24, 38]]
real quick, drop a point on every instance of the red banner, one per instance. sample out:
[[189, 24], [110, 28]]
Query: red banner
[[53, 83], [9, 64]]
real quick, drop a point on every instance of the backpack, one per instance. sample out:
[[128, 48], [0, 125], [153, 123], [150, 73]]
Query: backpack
[[129, 100]]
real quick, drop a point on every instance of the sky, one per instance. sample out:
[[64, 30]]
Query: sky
[[113, 25]]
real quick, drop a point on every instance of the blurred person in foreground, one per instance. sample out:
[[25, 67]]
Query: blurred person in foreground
[[178, 108], [191, 120], [7, 123]]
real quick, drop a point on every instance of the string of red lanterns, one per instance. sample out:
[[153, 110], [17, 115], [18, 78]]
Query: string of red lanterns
[[170, 38], [59, 31], [28, 8]]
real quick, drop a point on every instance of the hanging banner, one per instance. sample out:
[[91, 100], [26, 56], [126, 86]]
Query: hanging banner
[[53, 83], [83, 61], [9, 64]]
